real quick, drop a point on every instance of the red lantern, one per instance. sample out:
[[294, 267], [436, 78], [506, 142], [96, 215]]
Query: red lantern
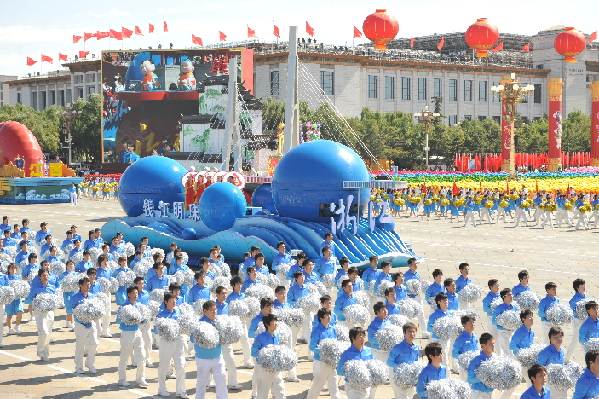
[[570, 43], [481, 36], [380, 28]]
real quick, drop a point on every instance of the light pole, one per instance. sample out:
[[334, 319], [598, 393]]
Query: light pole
[[512, 93], [427, 118], [69, 115]]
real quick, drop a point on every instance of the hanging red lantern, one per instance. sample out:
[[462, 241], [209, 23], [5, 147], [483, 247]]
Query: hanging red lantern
[[570, 43], [380, 28], [481, 36]]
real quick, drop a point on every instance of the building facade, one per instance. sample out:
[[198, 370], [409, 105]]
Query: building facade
[[4, 89]]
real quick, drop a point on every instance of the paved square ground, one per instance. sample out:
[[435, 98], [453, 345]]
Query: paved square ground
[[493, 251]]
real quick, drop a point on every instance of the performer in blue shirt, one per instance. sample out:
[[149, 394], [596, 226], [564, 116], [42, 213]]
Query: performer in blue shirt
[[237, 295], [222, 308], [554, 354], [266, 307], [452, 296], [281, 258], [344, 300], [547, 302], [259, 264], [342, 272], [579, 286], [86, 335], [441, 311], [322, 372], [523, 286], [328, 242], [493, 294], [159, 280], [505, 335], [479, 389], [199, 290], [433, 371], [40, 236], [251, 260], [590, 327], [392, 307], [5, 223], [380, 321], [372, 273], [44, 321], [262, 380], [587, 386], [383, 275], [435, 287], [131, 342], [327, 264], [357, 351], [251, 278], [537, 376], [524, 336], [171, 350], [462, 281], [296, 267], [67, 241], [466, 342], [407, 351], [23, 254], [400, 288], [85, 264]]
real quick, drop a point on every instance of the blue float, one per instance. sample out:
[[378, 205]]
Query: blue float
[[262, 197], [220, 205]]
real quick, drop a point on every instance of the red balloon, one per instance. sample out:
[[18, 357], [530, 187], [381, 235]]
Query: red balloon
[[570, 43], [481, 36], [380, 28], [16, 139]]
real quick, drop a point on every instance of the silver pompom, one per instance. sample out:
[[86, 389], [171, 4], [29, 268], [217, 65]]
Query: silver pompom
[[7, 295], [379, 372], [559, 314], [465, 358], [388, 337], [198, 306], [112, 265], [283, 268], [57, 268], [77, 257], [383, 286], [356, 315], [342, 333], [167, 328], [229, 329], [358, 374], [406, 375], [414, 286], [276, 358], [260, 291], [94, 253], [290, 316], [239, 308], [499, 372], [90, 309], [141, 268], [465, 312], [328, 280], [470, 293], [114, 285], [362, 298], [45, 302], [591, 345], [176, 278], [528, 300], [271, 280], [448, 388], [581, 312], [424, 284], [496, 302], [21, 288], [129, 315], [220, 281], [283, 330], [60, 303], [331, 350], [129, 249], [188, 321], [564, 376], [206, 335], [448, 327], [318, 288], [398, 320], [154, 308], [309, 303], [409, 308], [4, 265], [101, 296], [104, 283], [510, 320], [189, 278], [528, 356], [125, 278], [157, 251], [253, 305], [225, 269], [158, 295]]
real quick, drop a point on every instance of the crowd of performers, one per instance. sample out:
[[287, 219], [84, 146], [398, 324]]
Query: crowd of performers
[[579, 210], [99, 188], [358, 326]]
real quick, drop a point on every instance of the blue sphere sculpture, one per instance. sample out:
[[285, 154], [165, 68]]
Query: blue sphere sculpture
[[156, 178], [188, 233], [220, 204], [310, 177], [262, 197]]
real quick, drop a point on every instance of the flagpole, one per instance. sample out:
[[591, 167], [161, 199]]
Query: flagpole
[[41, 62], [109, 32]]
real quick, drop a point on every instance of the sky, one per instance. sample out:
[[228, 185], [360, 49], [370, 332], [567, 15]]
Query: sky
[[48, 28]]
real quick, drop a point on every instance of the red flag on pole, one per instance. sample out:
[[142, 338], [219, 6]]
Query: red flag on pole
[[87, 36], [138, 31], [309, 29], [526, 47], [127, 33], [251, 33], [196, 40], [115, 34], [222, 36], [47, 59], [455, 189], [30, 61], [82, 54], [412, 40], [441, 43], [102, 35], [76, 38], [593, 37], [498, 48], [424, 188], [150, 28], [62, 57], [165, 27], [357, 32], [276, 32]]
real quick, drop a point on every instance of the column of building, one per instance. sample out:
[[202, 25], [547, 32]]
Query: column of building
[[555, 86]]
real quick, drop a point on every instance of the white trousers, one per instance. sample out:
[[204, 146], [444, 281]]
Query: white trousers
[[557, 394], [547, 219], [132, 342], [146, 335], [230, 364], [401, 393], [245, 341], [521, 214], [307, 326], [546, 327], [216, 367], [492, 329], [485, 215], [463, 373], [73, 198], [85, 338], [582, 218], [504, 338], [45, 323], [292, 374], [562, 214], [269, 381], [171, 351], [595, 216], [323, 373], [481, 395], [445, 350], [469, 216], [576, 323], [283, 280], [354, 393], [1, 324], [106, 317], [421, 321]]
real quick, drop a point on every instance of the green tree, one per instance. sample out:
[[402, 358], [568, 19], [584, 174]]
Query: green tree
[[86, 129], [532, 137], [44, 125], [576, 136]]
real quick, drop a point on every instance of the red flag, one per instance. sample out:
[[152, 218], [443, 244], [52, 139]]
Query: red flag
[[165, 26], [30, 61], [102, 35], [115, 34], [62, 57], [82, 54], [47, 59], [87, 36], [424, 188], [76, 38], [150, 28], [498, 48], [593, 37], [309, 29], [455, 189], [276, 31], [127, 33], [507, 186], [441, 43], [196, 40], [222, 36], [412, 40], [138, 31], [357, 32], [251, 33], [526, 47]]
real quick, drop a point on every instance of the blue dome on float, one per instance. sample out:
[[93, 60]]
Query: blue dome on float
[[310, 177], [262, 197], [220, 205], [154, 177]]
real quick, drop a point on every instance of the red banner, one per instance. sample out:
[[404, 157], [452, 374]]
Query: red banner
[[76, 38], [30, 61], [309, 29], [150, 28]]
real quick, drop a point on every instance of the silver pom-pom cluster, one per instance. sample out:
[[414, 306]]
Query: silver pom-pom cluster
[[198, 306], [424, 284], [7, 295], [591, 345], [362, 298], [157, 251], [90, 309], [465, 358], [499, 372], [342, 333], [253, 305], [70, 282], [125, 278], [239, 308], [154, 308], [57, 268], [188, 278], [398, 320], [379, 372], [277, 358], [406, 375], [45, 302], [105, 284], [317, 288], [142, 267], [510, 320], [465, 312], [270, 280], [206, 335], [328, 280], [559, 314], [528, 300], [471, 293], [129, 315], [176, 278], [448, 327], [388, 337], [309, 303], [94, 253], [448, 388], [357, 373], [496, 302], [229, 329], [283, 330], [528, 356], [409, 308], [581, 312], [564, 376], [290, 316], [383, 287], [331, 350], [284, 268], [146, 313], [158, 295], [188, 320], [260, 291], [77, 257], [21, 288], [220, 281], [414, 286], [356, 315], [129, 249], [167, 328]]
